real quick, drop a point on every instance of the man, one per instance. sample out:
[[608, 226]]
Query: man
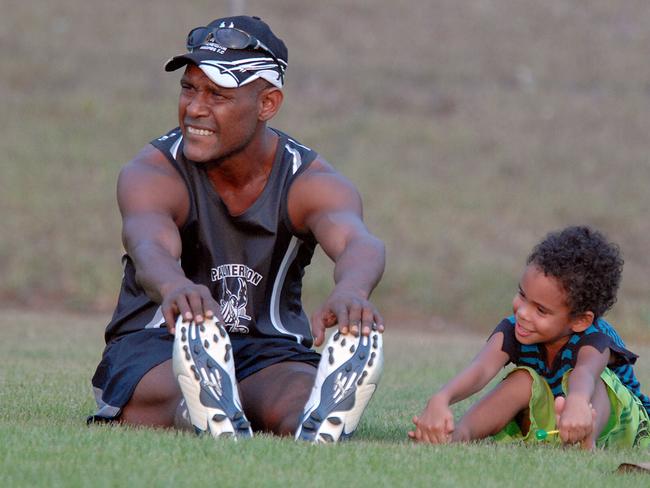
[[220, 217]]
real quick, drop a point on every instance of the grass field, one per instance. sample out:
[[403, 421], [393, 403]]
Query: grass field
[[471, 129], [46, 362]]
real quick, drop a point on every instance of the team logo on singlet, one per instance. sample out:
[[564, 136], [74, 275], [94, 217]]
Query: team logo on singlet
[[234, 280]]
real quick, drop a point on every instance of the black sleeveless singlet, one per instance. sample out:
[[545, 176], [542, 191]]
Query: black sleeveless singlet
[[252, 263]]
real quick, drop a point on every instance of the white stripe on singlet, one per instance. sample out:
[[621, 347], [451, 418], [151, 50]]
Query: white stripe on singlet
[[156, 321], [289, 256], [174, 149]]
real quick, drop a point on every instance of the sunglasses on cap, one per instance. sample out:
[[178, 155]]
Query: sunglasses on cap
[[231, 38]]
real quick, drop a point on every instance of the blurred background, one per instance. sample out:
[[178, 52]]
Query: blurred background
[[471, 129]]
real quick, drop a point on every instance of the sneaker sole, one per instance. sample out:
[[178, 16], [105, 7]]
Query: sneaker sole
[[347, 377], [205, 370]]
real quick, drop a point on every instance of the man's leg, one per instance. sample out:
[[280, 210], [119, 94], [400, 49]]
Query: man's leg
[[133, 382], [494, 411], [274, 397], [155, 400]]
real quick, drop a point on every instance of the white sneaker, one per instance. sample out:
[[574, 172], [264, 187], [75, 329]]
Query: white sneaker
[[205, 370], [347, 377]]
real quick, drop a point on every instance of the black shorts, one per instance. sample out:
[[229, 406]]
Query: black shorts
[[128, 358]]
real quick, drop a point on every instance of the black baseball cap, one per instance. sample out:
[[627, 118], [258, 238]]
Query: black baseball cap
[[234, 51]]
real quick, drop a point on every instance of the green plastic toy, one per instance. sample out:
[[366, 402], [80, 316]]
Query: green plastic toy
[[541, 434]]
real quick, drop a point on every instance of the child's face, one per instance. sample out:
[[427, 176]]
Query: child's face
[[541, 310]]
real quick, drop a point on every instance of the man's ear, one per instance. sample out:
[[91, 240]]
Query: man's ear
[[270, 100], [582, 321]]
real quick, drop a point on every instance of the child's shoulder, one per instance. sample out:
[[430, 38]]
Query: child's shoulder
[[506, 326], [601, 334], [601, 326], [508, 321]]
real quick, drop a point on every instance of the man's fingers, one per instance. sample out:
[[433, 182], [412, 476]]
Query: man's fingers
[[328, 318], [184, 308], [170, 311], [317, 328], [192, 302], [319, 336], [367, 320], [379, 321], [196, 306], [355, 315], [211, 308], [341, 312], [170, 319]]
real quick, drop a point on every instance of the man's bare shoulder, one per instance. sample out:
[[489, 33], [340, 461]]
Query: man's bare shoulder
[[321, 173], [320, 189], [149, 182], [150, 161]]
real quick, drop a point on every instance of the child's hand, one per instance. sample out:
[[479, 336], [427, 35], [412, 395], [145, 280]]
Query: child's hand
[[435, 424], [576, 420]]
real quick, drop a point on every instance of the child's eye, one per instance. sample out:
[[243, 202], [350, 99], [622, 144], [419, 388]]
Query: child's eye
[[541, 311]]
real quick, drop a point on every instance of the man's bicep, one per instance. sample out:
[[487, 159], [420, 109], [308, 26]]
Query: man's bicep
[[334, 214], [326, 204], [334, 230], [140, 189], [144, 230]]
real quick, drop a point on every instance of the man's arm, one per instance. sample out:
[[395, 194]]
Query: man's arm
[[325, 203], [153, 202]]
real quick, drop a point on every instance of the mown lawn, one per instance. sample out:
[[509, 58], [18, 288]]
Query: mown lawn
[[45, 366]]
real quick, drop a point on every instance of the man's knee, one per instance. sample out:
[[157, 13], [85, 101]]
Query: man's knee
[[275, 397], [281, 421], [155, 399]]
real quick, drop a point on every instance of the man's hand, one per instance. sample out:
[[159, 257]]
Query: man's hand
[[351, 311], [191, 301], [435, 424]]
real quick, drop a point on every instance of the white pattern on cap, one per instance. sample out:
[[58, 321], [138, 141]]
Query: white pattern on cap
[[223, 72]]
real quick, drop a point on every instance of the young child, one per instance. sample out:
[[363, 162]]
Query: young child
[[573, 372]]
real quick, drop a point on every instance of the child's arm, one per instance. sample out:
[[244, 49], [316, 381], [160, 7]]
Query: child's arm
[[436, 422], [576, 419]]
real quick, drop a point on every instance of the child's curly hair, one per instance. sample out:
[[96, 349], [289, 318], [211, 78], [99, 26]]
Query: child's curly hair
[[587, 266]]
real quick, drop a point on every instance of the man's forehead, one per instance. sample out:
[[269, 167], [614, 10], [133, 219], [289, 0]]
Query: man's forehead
[[196, 75]]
